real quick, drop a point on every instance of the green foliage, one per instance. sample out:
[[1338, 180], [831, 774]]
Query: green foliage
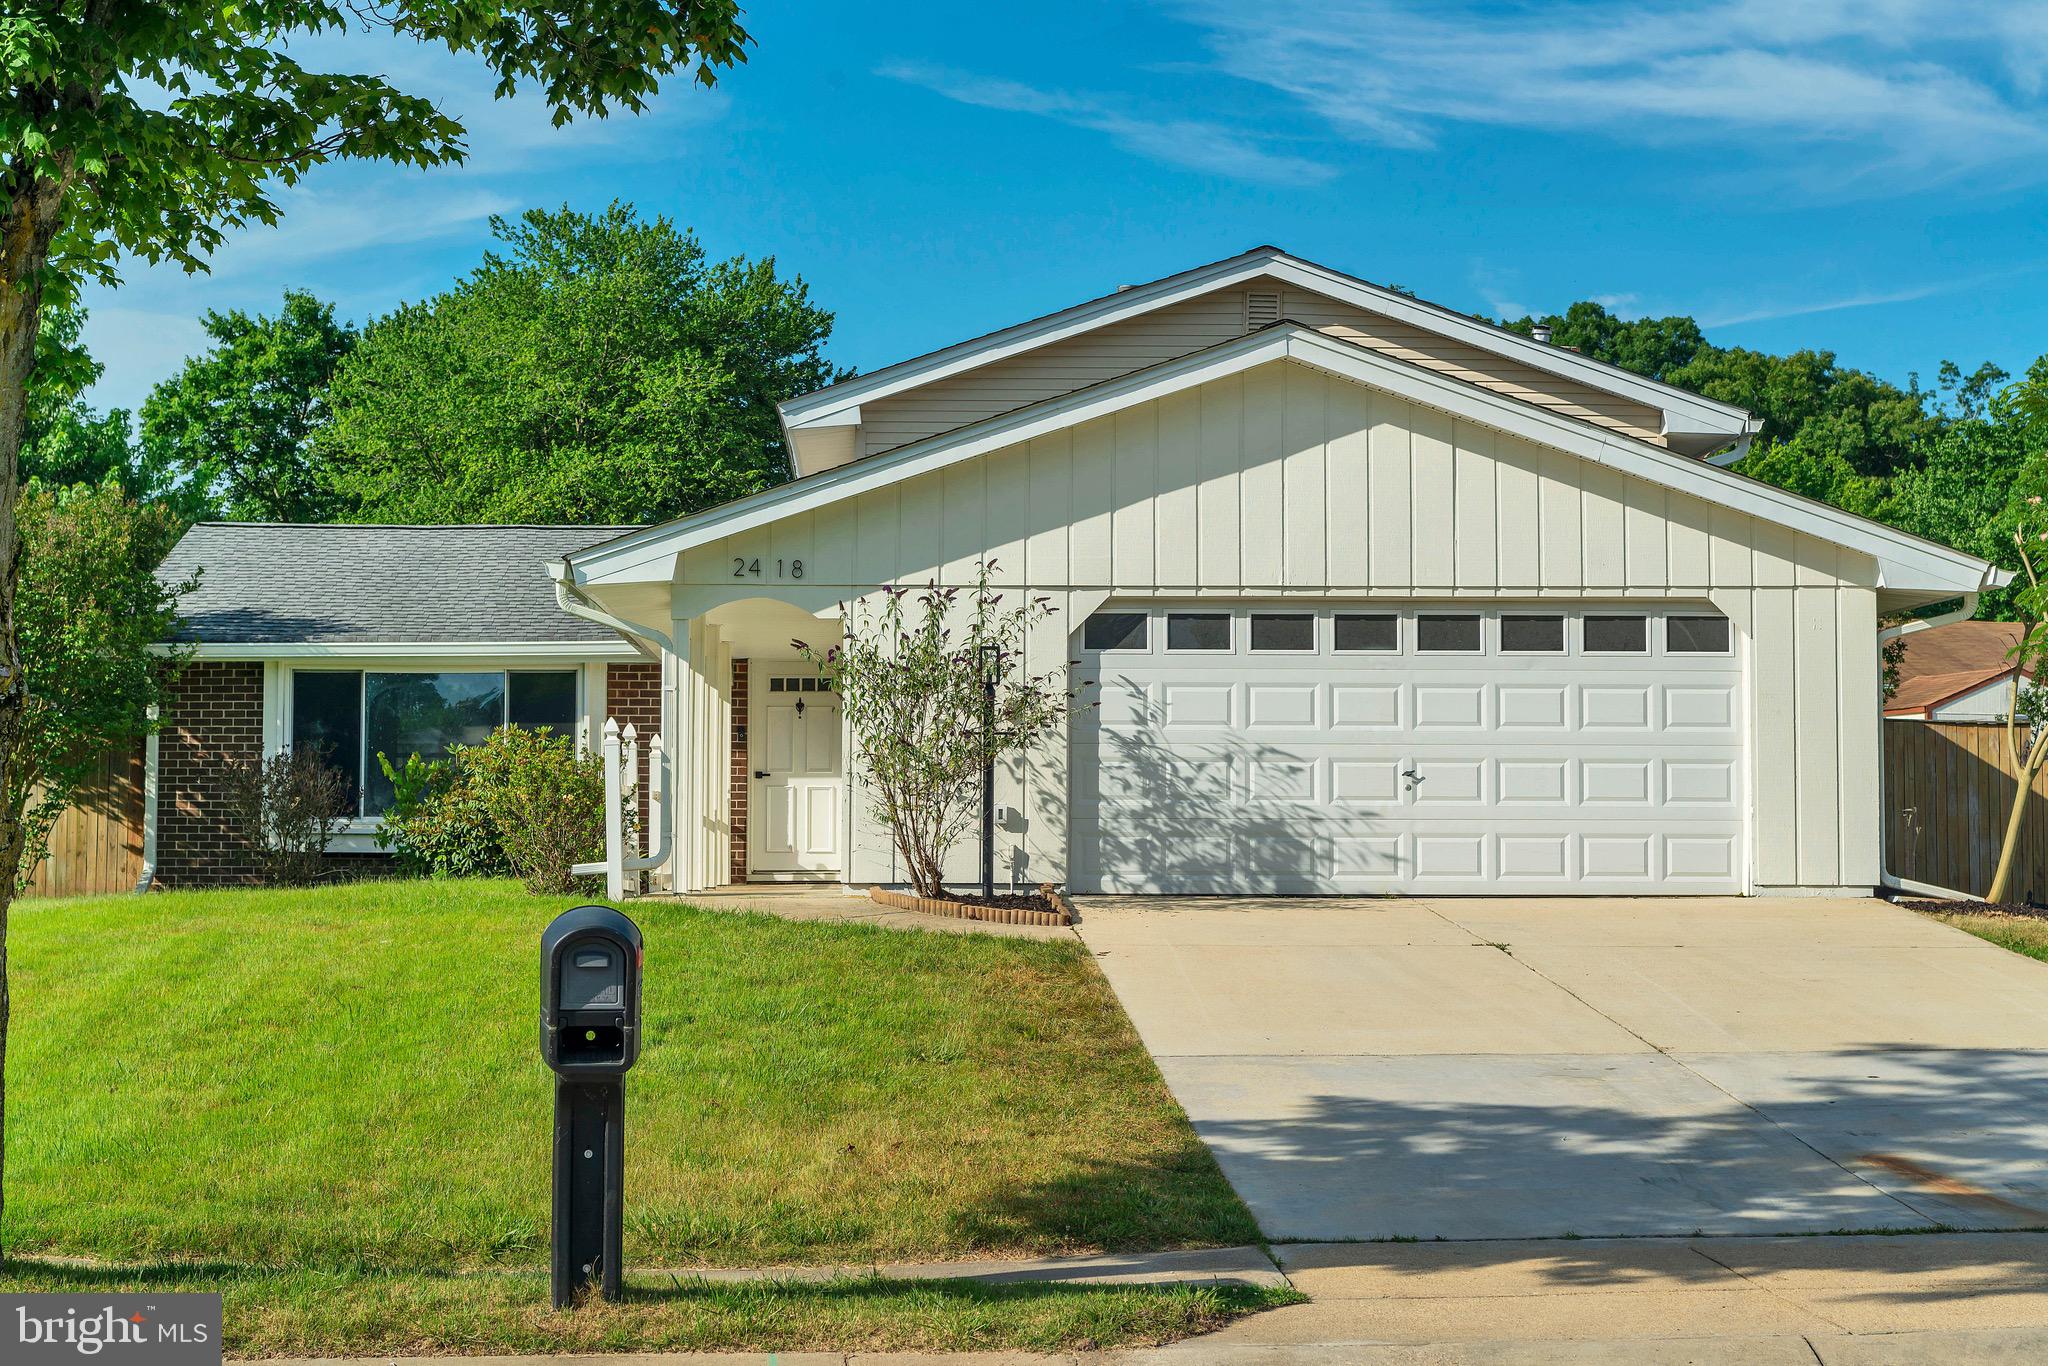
[[168, 124], [601, 369], [544, 798], [911, 671], [237, 424], [437, 824], [89, 611]]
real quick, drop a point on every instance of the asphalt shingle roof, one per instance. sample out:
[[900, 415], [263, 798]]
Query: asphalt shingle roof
[[265, 583]]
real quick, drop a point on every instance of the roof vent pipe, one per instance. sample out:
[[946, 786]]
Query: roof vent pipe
[[1541, 332]]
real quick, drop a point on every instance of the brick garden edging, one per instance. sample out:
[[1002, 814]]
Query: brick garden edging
[[962, 910]]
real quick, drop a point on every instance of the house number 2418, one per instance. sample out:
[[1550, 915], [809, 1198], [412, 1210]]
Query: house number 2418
[[784, 569]]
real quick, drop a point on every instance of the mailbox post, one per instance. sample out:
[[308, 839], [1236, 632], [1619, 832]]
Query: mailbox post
[[590, 1035]]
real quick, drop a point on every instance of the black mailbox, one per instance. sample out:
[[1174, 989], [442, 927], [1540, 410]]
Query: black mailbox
[[590, 992], [590, 1035]]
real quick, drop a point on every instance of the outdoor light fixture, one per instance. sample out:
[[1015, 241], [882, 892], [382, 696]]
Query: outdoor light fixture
[[590, 961]]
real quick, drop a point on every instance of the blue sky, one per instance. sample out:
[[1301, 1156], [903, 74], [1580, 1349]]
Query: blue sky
[[1868, 177]]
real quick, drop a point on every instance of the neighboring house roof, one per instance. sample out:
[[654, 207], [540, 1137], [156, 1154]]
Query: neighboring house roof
[[267, 584], [1946, 662], [1693, 422], [1906, 561]]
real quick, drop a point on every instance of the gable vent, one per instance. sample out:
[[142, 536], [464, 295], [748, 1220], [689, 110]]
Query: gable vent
[[1261, 308]]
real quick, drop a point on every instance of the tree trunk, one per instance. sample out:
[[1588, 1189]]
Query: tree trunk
[[26, 229], [2001, 881]]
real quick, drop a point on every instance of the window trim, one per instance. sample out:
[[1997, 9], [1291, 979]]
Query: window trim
[[1143, 615], [1397, 617], [360, 824], [1230, 620], [1585, 618], [1478, 618], [1315, 633], [1564, 635], [1724, 652]]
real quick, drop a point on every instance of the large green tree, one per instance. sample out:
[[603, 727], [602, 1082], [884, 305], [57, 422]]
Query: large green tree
[[599, 368], [151, 129], [237, 424]]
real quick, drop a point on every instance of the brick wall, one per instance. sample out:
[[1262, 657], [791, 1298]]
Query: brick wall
[[741, 779], [215, 714], [633, 698]]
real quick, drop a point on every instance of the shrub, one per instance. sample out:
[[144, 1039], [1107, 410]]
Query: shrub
[[545, 799], [437, 825], [287, 807]]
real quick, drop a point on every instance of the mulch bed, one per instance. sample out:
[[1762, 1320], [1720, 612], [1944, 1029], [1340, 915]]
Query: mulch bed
[[1941, 906], [1046, 906]]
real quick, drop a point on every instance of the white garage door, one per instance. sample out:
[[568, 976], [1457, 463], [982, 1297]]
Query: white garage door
[[1445, 749]]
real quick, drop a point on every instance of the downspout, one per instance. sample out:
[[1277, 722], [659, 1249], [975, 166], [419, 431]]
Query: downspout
[[1734, 453], [149, 768], [577, 603], [1890, 880]]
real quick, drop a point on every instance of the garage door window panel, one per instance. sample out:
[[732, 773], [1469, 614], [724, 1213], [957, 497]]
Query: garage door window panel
[[1362, 633], [1120, 631], [1690, 635], [1447, 633], [1205, 632], [1288, 633], [1531, 634], [1617, 635]]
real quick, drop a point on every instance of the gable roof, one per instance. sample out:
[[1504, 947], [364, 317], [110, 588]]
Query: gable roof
[[1905, 561], [264, 585], [1945, 662], [838, 405]]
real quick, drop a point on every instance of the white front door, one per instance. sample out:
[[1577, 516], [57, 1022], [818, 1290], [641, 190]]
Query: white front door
[[1409, 748], [794, 821]]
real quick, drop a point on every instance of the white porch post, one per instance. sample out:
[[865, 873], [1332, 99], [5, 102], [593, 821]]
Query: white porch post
[[614, 820]]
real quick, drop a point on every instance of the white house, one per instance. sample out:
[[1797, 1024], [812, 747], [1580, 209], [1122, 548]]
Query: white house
[[1377, 597]]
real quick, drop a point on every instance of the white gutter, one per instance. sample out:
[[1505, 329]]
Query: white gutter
[[1890, 880], [577, 603], [1723, 459], [149, 771]]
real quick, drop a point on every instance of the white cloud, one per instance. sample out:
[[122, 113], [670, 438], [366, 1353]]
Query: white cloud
[[1197, 144], [1896, 86]]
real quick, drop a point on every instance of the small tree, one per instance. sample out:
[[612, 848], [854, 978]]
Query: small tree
[[287, 807], [911, 669], [2028, 756], [91, 612]]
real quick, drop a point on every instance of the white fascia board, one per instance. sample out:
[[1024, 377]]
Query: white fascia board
[[1682, 410], [822, 404], [1909, 562], [412, 649]]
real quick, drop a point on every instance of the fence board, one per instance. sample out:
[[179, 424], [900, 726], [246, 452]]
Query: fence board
[[96, 846], [1948, 794]]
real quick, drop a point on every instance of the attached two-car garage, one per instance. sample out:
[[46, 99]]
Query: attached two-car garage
[[1408, 748]]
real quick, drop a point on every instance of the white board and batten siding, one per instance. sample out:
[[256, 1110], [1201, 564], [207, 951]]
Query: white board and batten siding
[[1286, 483], [1165, 334]]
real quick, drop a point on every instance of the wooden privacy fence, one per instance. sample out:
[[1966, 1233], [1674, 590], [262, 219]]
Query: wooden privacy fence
[[97, 845], [1948, 789]]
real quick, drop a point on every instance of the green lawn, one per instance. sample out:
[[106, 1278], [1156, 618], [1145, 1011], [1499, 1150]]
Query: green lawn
[[2021, 933], [368, 1313], [332, 1086]]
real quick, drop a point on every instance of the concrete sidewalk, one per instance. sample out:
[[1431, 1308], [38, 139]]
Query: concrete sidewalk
[[1856, 1301]]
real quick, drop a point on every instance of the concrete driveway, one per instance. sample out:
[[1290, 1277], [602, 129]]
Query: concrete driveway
[[1534, 1068]]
